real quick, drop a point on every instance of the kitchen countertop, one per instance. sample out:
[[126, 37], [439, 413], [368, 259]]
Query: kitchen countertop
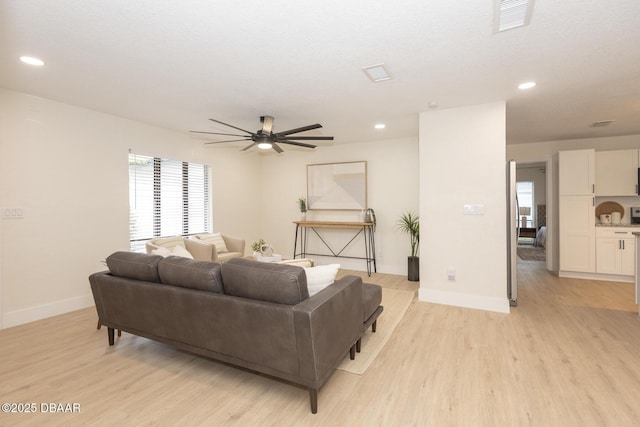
[[618, 225]]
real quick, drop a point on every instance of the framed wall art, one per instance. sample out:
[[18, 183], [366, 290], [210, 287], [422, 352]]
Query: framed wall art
[[337, 186]]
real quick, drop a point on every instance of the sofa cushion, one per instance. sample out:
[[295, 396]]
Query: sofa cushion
[[321, 276], [278, 283], [132, 265], [190, 273], [371, 299]]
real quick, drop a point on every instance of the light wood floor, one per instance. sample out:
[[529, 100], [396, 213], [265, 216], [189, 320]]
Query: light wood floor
[[568, 355]]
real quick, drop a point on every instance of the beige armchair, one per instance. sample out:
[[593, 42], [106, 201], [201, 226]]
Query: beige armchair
[[215, 247], [169, 246]]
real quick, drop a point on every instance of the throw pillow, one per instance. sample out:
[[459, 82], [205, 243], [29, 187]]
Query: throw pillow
[[162, 251], [175, 251], [320, 277], [216, 240]]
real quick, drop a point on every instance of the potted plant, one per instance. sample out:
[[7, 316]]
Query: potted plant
[[302, 204], [257, 247], [410, 223]]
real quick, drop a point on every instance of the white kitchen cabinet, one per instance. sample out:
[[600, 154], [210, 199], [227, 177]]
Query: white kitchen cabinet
[[577, 234], [576, 172], [576, 179], [617, 173], [615, 251]]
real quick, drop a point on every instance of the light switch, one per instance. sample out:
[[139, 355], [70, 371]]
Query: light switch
[[473, 209], [12, 213]]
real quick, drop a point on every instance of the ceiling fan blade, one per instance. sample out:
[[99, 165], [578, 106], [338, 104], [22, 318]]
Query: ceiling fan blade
[[216, 133], [299, 144], [276, 147], [307, 138], [229, 140], [231, 126], [267, 124], [249, 146], [296, 130]]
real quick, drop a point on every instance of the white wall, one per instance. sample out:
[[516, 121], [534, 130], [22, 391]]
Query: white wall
[[392, 184], [66, 167], [462, 161]]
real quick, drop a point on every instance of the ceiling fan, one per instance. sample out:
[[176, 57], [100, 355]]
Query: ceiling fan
[[265, 138]]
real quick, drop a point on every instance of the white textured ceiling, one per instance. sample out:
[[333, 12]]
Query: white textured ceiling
[[177, 63]]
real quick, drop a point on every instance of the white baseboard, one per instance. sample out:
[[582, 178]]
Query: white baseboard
[[596, 276], [457, 299], [31, 314]]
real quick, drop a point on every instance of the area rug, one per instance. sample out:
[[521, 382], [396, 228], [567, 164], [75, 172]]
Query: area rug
[[531, 253], [395, 305]]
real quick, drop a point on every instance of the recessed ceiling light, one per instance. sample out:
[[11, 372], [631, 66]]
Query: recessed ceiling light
[[527, 85], [377, 73], [32, 61], [380, 126]]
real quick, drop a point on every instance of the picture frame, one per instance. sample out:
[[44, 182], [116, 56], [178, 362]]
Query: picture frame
[[337, 186]]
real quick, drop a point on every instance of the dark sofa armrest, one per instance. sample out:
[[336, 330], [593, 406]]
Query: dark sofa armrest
[[327, 325]]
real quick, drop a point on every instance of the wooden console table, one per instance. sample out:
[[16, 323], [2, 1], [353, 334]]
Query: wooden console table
[[366, 228]]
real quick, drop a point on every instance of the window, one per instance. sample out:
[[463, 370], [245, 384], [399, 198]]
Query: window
[[166, 198], [525, 203]]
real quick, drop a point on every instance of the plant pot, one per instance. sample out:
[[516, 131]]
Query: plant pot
[[413, 268]]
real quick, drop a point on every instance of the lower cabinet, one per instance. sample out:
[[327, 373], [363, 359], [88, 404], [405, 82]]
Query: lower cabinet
[[615, 251]]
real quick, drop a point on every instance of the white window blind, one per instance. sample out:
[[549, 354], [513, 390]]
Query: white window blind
[[166, 198]]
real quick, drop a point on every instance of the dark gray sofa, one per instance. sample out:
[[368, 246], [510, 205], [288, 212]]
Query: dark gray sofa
[[254, 315]]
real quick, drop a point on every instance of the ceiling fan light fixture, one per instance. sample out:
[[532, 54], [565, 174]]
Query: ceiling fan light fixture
[[379, 126], [32, 61], [377, 73], [265, 145], [526, 85]]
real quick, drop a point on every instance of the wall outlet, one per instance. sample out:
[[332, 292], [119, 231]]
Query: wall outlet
[[451, 274]]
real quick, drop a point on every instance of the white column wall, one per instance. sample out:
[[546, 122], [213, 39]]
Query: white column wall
[[462, 161]]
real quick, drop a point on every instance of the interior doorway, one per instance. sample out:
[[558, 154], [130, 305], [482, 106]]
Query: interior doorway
[[531, 186]]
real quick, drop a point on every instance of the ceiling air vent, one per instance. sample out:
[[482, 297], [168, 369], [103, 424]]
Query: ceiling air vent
[[511, 14], [601, 123]]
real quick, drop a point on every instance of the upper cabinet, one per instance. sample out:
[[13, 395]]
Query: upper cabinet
[[617, 173], [577, 172]]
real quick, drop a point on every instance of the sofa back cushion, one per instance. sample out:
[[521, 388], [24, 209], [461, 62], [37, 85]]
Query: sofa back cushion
[[132, 265], [190, 273], [278, 283]]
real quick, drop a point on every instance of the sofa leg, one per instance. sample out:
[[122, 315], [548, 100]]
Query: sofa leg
[[111, 335], [313, 397], [352, 352], [119, 331], [359, 344], [373, 325]]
